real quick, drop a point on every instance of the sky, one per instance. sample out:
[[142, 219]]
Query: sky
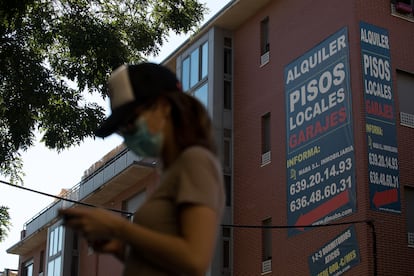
[[50, 172]]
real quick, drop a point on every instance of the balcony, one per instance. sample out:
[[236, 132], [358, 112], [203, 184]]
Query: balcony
[[118, 174]]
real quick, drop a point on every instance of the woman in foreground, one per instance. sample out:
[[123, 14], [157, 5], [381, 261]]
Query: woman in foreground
[[174, 232]]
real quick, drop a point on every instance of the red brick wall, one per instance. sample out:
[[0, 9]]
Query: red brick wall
[[260, 192]]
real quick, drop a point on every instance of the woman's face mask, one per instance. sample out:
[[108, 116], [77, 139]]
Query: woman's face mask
[[142, 142]]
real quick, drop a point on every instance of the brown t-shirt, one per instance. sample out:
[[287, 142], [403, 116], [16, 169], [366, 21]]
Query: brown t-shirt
[[195, 178]]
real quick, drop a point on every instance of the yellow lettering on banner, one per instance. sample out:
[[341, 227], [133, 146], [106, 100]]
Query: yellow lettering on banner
[[374, 129], [303, 156], [323, 273], [333, 267], [348, 258]]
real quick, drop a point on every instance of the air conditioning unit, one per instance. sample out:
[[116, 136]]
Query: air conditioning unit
[[404, 8]]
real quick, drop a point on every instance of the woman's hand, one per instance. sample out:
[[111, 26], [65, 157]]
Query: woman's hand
[[95, 224]]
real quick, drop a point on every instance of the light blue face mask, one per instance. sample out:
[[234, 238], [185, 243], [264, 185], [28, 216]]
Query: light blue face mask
[[142, 142]]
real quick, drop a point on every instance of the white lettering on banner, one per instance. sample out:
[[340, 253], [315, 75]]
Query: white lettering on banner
[[377, 67], [312, 91], [378, 89], [316, 58], [374, 38]]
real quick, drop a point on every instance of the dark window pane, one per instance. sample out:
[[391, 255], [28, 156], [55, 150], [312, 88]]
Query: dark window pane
[[266, 133]]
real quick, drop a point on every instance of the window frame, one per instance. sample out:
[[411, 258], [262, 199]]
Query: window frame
[[26, 265], [226, 254], [409, 201], [55, 249], [267, 239], [403, 12], [405, 89], [198, 57], [264, 36], [266, 140]]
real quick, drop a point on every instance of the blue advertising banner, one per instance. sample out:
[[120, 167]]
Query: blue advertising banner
[[337, 256], [320, 151], [381, 129]]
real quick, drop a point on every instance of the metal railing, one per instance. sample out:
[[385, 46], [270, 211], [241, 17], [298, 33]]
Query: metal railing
[[410, 239], [85, 187], [407, 119]]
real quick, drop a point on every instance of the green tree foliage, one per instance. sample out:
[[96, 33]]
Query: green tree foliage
[[4, 222], [48, 45]]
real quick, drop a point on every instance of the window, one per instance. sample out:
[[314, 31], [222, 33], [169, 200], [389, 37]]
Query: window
[[267, 239], [61, 256], [41, 261], [55, 250], [264, 42], [227, 186], [228, 42], [226, 259], [403, 9], [28, 268], [228, 57], [266, 139], [204, 61], [264, 36], [266, 133], [228, 71], [201, 94], [267, 245], [227, 99], [409, 198], [194, 73], [75, 255], [227, 149], [185, 77], [405, 88], [195, 67]]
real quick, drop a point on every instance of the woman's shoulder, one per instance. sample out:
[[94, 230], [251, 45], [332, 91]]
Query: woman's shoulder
[[194, 150], [198, 154]]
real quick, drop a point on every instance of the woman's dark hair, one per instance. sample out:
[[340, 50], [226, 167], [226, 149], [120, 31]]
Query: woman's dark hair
[[192, 123]]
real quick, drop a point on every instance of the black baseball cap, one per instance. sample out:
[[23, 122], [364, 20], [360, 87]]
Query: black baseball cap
[[133, 85]]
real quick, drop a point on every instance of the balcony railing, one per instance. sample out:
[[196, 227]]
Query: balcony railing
[[265, 58], [407, 119], [266, 158], [88, 185], [266, 266], [410, 239]]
